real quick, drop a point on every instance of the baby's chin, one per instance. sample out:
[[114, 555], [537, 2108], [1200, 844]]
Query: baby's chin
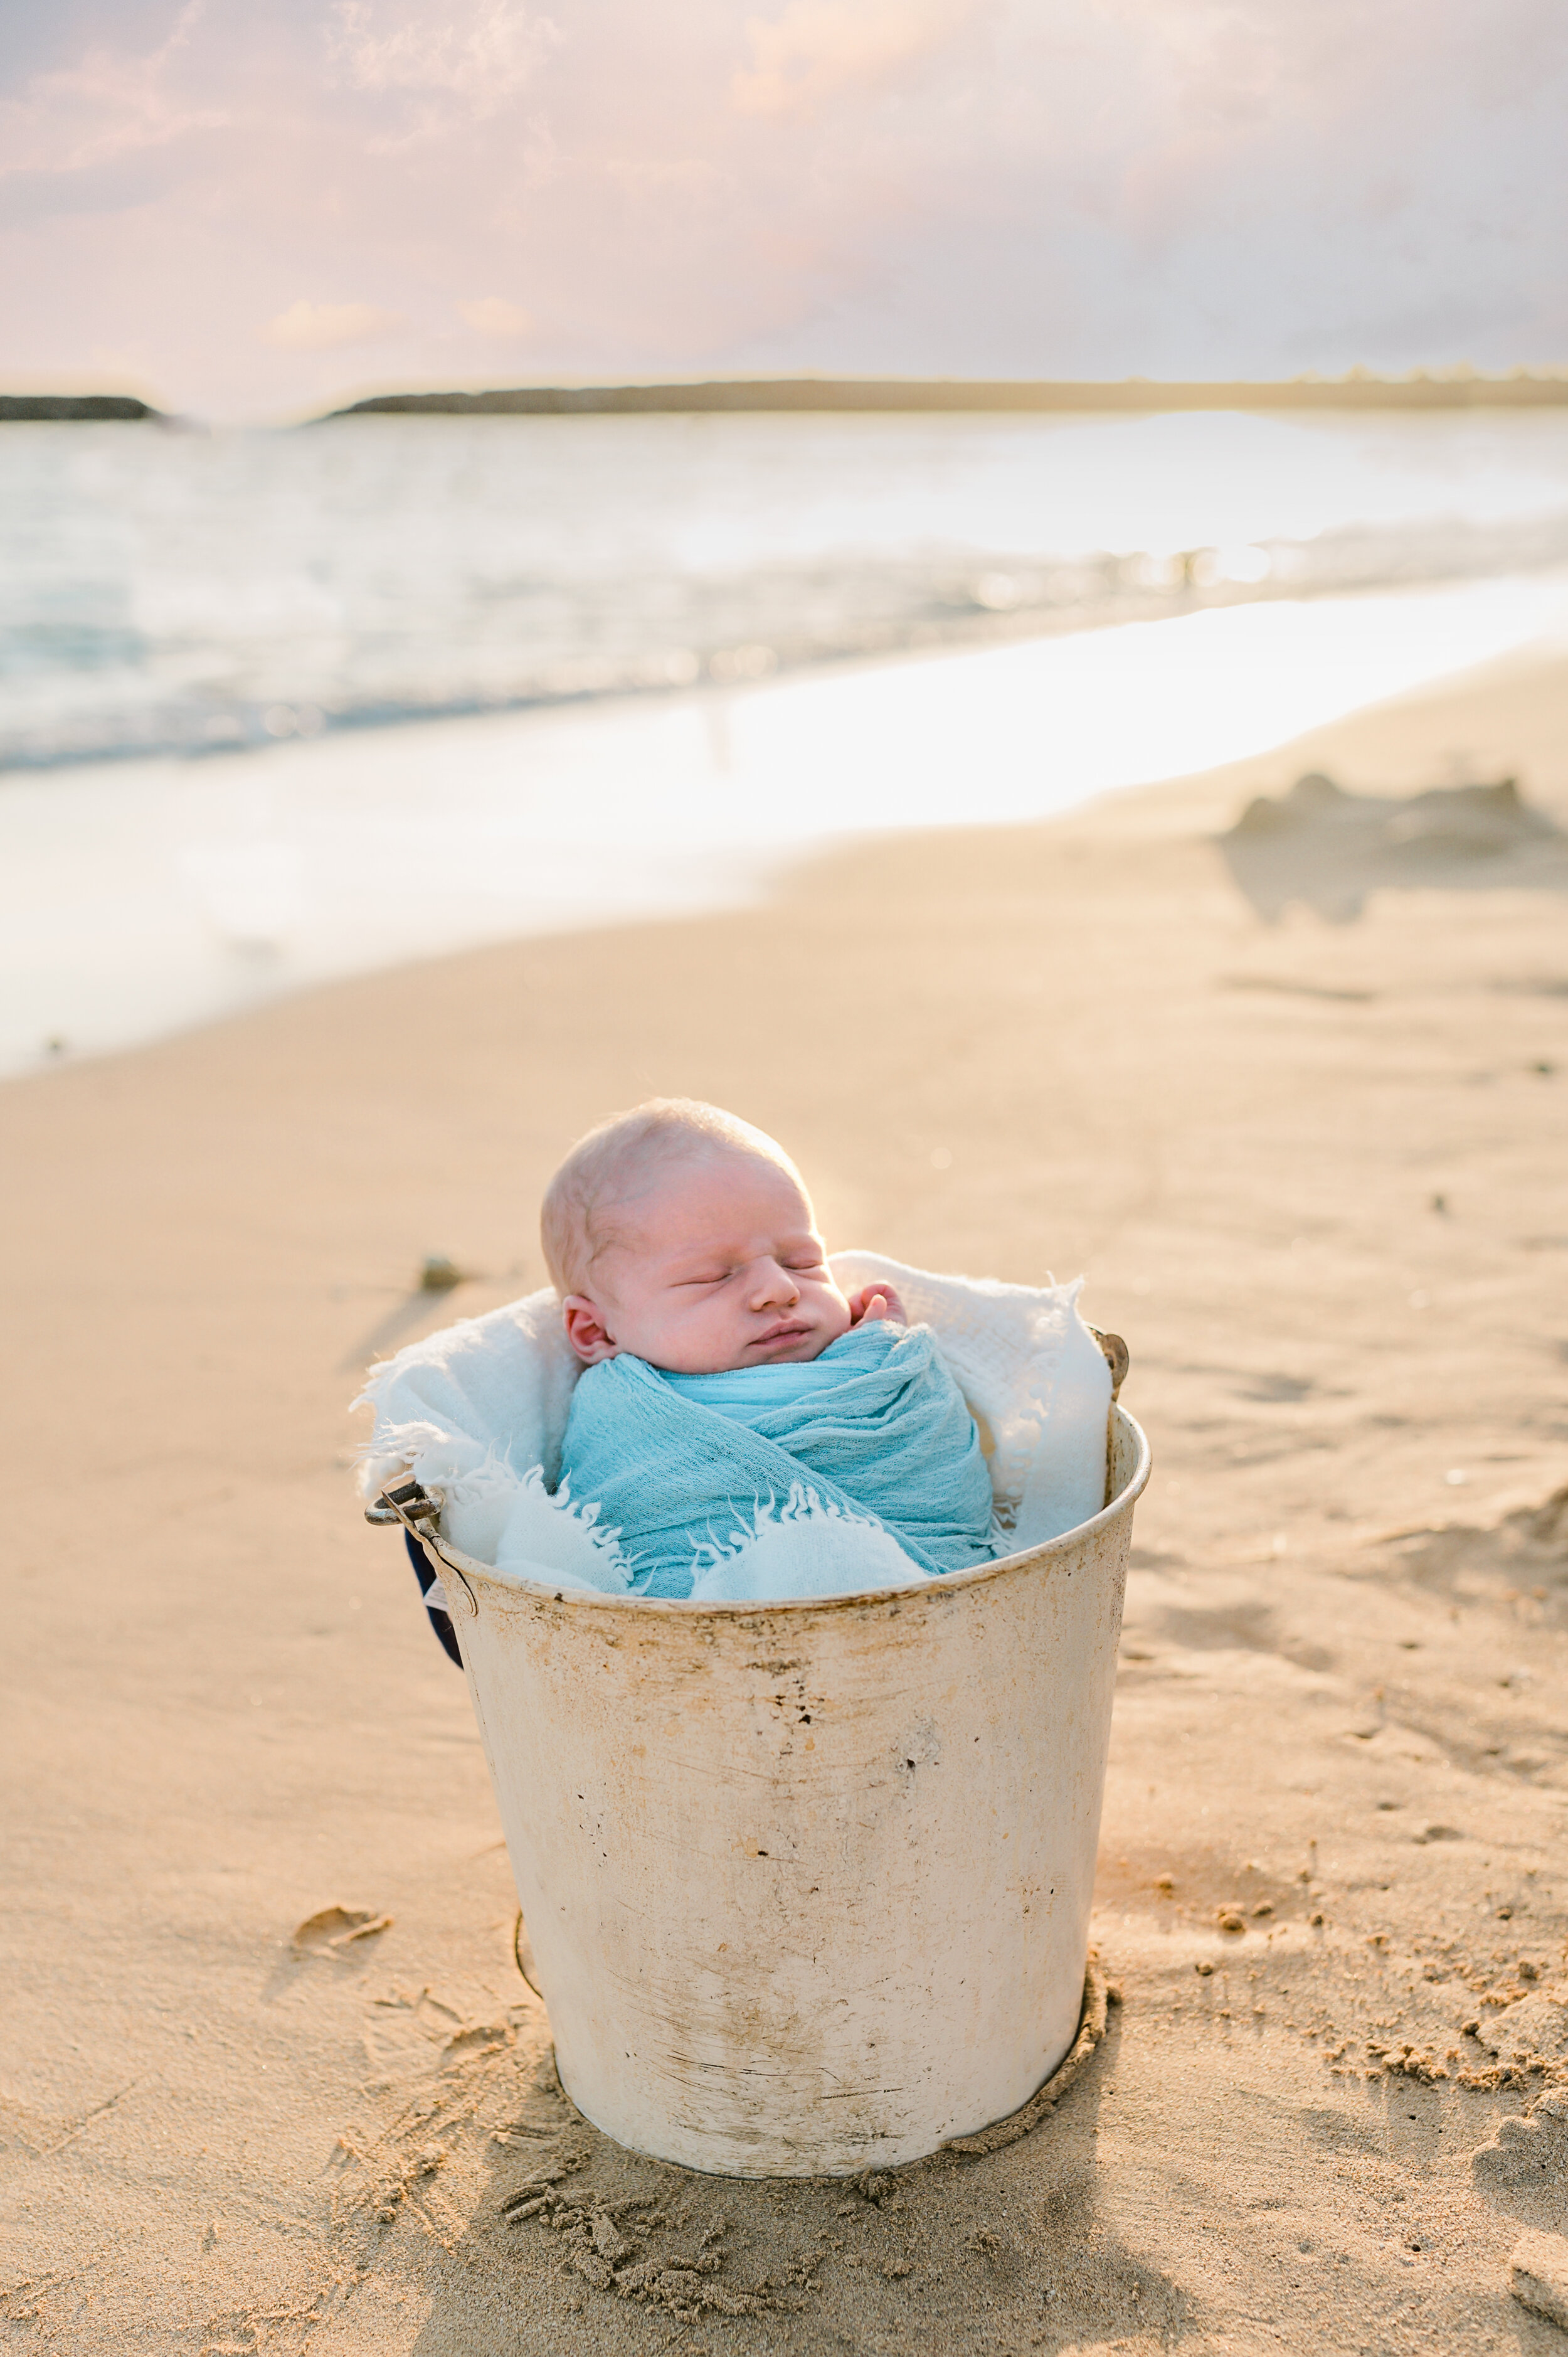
[[791, 1351], [795, 1349]]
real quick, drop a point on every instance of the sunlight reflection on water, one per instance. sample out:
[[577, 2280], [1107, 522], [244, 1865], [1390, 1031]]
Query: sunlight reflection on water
[[146, 896]]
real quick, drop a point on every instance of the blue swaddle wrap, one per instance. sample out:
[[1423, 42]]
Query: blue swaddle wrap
[[747, 1395], [875, 1425]]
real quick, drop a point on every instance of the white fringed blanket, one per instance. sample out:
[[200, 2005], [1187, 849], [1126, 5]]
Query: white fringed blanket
[[476, 1411]]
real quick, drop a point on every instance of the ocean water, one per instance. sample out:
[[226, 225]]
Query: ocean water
[[278, 708], [195, 593]]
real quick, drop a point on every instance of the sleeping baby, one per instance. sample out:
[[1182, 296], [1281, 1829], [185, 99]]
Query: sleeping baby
[[727, 1375]]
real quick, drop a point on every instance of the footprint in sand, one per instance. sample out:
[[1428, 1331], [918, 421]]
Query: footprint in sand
[[1528, 2154], [1523, 2168], [1539, 2277], [1532, 2029], [412, 2035], [335, 1931], [405, 2037]]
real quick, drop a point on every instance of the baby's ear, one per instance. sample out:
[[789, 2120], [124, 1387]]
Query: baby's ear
[[586, 1328]]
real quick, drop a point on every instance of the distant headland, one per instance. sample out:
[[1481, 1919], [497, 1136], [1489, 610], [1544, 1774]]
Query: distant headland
[[1449, 389], [80, 408], [1455, 388]]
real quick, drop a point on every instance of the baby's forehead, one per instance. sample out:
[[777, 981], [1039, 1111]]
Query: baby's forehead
[[696, 1191]]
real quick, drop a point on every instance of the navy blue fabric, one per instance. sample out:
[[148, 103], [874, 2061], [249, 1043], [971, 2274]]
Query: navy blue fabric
[[440, 1622]]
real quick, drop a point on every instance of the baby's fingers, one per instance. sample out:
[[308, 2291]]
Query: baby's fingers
[[871, 1302]]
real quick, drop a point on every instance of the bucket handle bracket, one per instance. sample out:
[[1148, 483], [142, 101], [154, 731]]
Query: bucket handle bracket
[[1117, 1357], [411, 1505]]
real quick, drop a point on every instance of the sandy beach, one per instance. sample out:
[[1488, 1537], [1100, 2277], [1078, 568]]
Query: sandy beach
[[1313, 1167]]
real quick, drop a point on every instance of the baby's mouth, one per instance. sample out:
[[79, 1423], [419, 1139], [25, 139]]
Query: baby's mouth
[[787, 1330]]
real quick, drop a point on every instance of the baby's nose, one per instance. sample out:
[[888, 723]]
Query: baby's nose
[[774, 1285]]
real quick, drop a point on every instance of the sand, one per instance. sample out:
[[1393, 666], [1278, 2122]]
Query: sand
[[1314, 1171]]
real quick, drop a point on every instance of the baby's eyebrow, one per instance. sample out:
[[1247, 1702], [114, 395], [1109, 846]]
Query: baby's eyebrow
[[695, 1262], [728, 1257]]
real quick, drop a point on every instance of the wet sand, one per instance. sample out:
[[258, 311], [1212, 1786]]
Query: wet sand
[[1314, 1170]]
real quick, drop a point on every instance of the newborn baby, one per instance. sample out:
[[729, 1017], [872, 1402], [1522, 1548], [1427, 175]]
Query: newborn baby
[[728, 1377]]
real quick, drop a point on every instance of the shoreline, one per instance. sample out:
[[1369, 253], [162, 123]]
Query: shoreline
[[158, 894], [1537, 554], [1312, 1169]]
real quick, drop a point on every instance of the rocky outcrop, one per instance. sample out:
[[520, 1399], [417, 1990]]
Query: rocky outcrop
[[32, 408]]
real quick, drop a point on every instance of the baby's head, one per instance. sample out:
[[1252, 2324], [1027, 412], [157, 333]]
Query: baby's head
[[682, 1235]]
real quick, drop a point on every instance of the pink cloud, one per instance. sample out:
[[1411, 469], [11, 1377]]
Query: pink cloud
[[492, 315], [105, 107], [818, 49], [483, 53], [936, 186], [329, 326]]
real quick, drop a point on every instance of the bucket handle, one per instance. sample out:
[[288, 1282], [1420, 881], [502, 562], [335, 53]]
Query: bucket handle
[[411, 1505]]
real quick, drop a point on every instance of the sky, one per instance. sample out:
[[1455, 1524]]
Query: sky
[[251, 209]]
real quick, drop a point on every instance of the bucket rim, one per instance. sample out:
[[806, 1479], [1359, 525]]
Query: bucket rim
[[511, 1584]]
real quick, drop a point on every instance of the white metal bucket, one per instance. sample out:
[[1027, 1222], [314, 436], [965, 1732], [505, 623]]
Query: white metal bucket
[[808, 1884]]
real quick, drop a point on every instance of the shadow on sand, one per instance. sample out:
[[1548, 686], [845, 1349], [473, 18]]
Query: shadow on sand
[[578, 2245]]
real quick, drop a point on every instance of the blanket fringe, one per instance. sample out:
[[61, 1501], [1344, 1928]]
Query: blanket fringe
[[603, 1539], [803, 1505]]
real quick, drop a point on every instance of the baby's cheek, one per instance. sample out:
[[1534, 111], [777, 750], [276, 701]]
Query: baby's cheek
[[837, 1311]]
